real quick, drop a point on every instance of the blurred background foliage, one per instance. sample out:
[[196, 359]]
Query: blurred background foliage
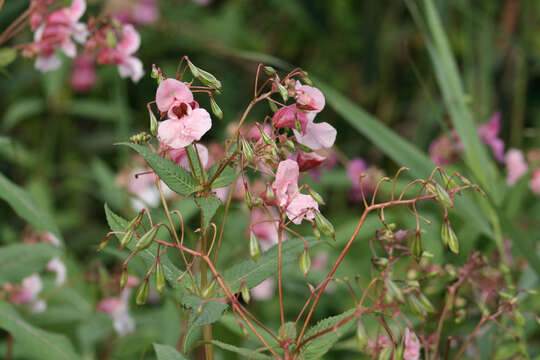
[[58, 144]]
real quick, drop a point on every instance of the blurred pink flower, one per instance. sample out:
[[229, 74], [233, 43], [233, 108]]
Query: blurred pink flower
[[309, 98], [83, 76], [264, 227], [239, 191], [117, 309], [412, 346], [489, 133], [287, 116], [516, 166], [180, 156], [316, 135], [57, 266], [265, 290], [297, 206], [443, 151], [355, 168], [534, 184], [27, 294]]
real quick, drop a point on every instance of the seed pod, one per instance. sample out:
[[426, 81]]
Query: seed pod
[[133, 221], [282, 91], [324, 225], [245, 292], [248, 150], [416, 306], [269, 195], [273, 106], [268, 70], [102, 245], [193, 69], [361, 336], [297, 124], [425, 301], [379, 262], [448, 183], [123, 279], [394, 291], [290, 145], [445, 235], [386, 353], [316, 196], [304, 148], [146, 240], [155, 73], [208, 79], [215, 108], [443, 197], [111, 39], [453, 242], [257, 202], [316, 233], [247, 198], [306, 79], [266, 138], [416, 247], [254, 246], [304, 262], [142, 294], [153, 123], [209, 290], [159, 278], [126, 239]]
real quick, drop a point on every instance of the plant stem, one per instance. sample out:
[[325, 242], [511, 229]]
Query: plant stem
[[280, 277], [207, 329]]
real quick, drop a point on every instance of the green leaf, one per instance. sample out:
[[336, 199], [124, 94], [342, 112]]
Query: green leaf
[[175, 176], [167, 352], [23, 109], [208, 206], [108, 187], [37, 343], [211, 310], [25, 207], [7, 56], [319, 346], [246, 353], [227, 176], [18, 261], [195, 162], [266, 266]]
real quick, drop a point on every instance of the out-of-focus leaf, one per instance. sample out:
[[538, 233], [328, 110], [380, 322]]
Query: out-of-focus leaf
[[95, 109], [18, 261], [107, 183], [246, 353], [22, 109], [167, 352], [25, 207], [37, 343], [15, 152], [208, 207], [7, 56], [176, 177]]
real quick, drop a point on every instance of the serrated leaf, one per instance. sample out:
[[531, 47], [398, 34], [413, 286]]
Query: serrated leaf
[[37, 343], [18, 261], [211, 310], [167, 352], [25, 207], [247, 353], [227, 176], [176, 177], [208, 208], [195, 162], [319, 346], [7, 56], [266, 266]]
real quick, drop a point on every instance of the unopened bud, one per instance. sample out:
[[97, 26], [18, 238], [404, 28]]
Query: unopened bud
[[269, 194], [316, 233], [266, 138], [155, 73], [136, 219], [248, 150], [416, 306], [215, 108], [416, 247], [394, 291], [273, 106], [443, 197], [208, 79], [449, 237], [209, 290], [283, 91], [123, 279], [268, 70], [324, 225], [245, 292], [153, 123], [290, 145], [316, 196], [306, 79], [247, 198], [304, 262], [425, 301], [145, 240], [254, 246], [126, 239], [142, 294], [193, 69], [159, 278], [297, 124]]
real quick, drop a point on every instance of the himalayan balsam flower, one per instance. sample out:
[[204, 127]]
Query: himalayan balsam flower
[[412, 346], [534, 184], [264, 227], [56, 265], [58, 30], [443, 151], [516, 166], [180, 156], [118, 308], [265, 290], [83, 76], [307, 161], [138, 12], [27, 294], [297, 206], [489, 133], [186, 122]]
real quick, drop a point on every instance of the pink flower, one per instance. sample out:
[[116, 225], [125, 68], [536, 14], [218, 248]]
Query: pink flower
[[180, 156], [297, 206], [412, 346], [57, 266], [488, 133], [534, 184], [443, 151], [83, 76], [145, 12], [516, 166], [264, 227], [172, 93], [287, 116], [27, 293], [117, 309], [307, 161], [57, 30], [355, 169], [316, 136], [309, 98], [264, 290]]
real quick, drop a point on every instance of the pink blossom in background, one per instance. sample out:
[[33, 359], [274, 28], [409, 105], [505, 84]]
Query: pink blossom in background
[[57, 266], [309, 98], [412, 346], [534, 183], [180, 156], [51, 238], [27, 294], [489, 133], [144, 188], [443, 151], [238, 191], [516, 166], [137, 12], [263, 227], [83, 76], [254, 133], [57, 30], [117, 309], [355, 168], [374, 347], [265, 290]]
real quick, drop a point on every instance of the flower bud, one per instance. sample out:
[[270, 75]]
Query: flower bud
[[193, 69], [316, 233], [361, 336], [208, 79], [123, 279], [153, 124], [142, 294], [443, 197], [416, 247], [247, 198], [245, 292], [290, 145], [126, 239], [136, 219], [269, 194], [102, 245], [145, 240], [449, 237], [215, 108], [306, 79], [273, 106], [155, 73], [254, 246], [283, 91], [208, 291], [394, 291], [316, 196], [268, 70], [297, 124], [324, 225], [379, 262], [266, 138], [304, 262], [248, 150], [159, 278]]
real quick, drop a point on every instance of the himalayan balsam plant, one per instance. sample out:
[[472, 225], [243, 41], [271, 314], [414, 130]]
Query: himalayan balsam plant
[[261, 165]]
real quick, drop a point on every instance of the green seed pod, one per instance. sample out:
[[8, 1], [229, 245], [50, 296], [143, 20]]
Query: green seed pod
[[142, 294], [380, 263], [257, 202], [316, 196], [126, 239], [306, 79], [283, 91], [245, 292], [290, 145], [194, 70], [153, 123], [316, 233], [269, 195], [453, 242], [448, 183], [304, 262], [111, 39], [266, 138], [518, 316], [209, 290], [146, 240], [159, 278], [215, 108], [133, 221], [361, 336], [394, 291], [425, 301], [445, 235], [247, 198], [386, 353], [102, 245], [416, 306], [208, 79], [324, 225], [268, 70], [273, 106], [416, 247], [443, 197], [155, 73], [254, 246], [123, 279], [297, 124], [248, 150]]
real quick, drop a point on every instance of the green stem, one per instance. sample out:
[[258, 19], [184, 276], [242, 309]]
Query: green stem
[[207, 329]]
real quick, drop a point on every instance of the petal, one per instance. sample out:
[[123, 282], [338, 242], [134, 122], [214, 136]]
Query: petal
[[355, 168], [48, 63], [302, 207], [131, 40], [286, 181], [309, 97], [132, 68], [76, 10], [69, 48], [196, 124], [80, 33], [168, 132], [317, 136], [180, 157], [170, 90]]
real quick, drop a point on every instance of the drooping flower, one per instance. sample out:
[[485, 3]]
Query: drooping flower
[[288, 116], [309, 98], [118, 308], [516, 166], [297, 206], [412, 346], [56, 265], [57, 30], [180, 156], [534, 183], [186, 122], [265, 226], [83, 76], [489, 133]]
